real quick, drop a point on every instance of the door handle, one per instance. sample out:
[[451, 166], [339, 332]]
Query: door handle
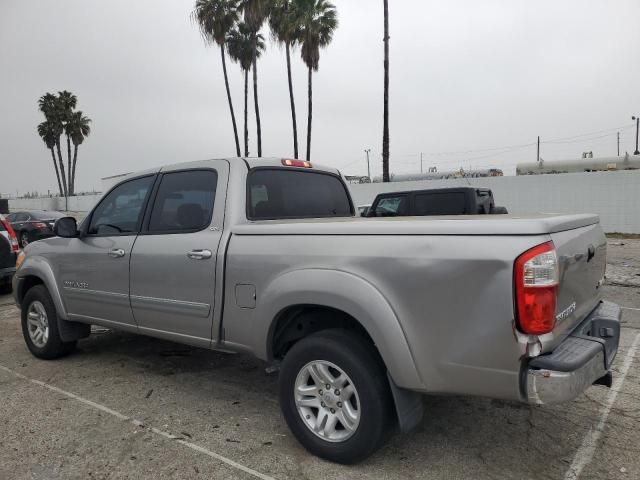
[[116, 253], [199, 254]]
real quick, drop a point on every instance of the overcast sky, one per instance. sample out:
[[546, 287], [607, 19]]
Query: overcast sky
[[466, 76]]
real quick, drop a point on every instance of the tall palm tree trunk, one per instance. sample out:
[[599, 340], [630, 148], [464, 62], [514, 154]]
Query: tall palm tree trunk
[[233, 115], [65, 192], [309, 116], [70, 181], [385, 127], [293, 104], [73, 175], [255, 99], [55, 166], [246, 126]]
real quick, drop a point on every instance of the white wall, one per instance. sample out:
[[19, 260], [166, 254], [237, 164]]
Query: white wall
[[615, 196], [82, 203]]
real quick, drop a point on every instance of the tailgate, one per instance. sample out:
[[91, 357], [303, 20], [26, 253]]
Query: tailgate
[[582, 261]]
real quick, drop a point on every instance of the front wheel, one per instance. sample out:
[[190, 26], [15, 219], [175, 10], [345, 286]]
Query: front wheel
[[40, 325], [335, 396]]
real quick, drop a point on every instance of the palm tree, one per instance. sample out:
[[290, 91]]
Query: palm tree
[[284, 24], [215, 19], [255, 13], [385, 127], [78, 129], [240, 46], [67, 101], [318, 21], [48, 133], [50, 106]]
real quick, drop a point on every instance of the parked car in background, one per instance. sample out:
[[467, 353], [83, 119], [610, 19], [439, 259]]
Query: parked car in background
[[434, 201], [33, 225], [8, 249]]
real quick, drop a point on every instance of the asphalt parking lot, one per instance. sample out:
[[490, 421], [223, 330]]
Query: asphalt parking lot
[[124, 406]]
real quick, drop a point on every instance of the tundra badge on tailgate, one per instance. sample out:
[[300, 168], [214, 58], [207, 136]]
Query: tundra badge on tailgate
[[563, 315]]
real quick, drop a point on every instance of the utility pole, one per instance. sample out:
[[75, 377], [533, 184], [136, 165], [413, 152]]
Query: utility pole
[[385, 124], [367, 150], [538, 154], [421, 171], [637, 119], [618, 143]]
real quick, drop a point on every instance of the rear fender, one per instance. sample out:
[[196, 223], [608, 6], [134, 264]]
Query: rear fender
[[351, 294]]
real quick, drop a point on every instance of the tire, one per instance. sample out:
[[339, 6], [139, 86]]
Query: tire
[[39, 314], [341, 352], [24, 239]]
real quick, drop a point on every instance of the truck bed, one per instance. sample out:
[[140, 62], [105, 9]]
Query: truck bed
[[534, 224]]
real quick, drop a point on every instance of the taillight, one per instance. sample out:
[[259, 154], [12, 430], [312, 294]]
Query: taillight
[[536, 278], [40, 225], [296, 163], [12, 235]]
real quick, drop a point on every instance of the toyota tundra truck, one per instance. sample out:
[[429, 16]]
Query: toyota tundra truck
[[360, 316]]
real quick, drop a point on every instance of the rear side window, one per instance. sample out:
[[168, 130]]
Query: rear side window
[[120, 212], [392, 206], [285, 193], [439, 204], [184, 201]]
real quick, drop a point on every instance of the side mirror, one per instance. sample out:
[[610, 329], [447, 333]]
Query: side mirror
[[66, 227]]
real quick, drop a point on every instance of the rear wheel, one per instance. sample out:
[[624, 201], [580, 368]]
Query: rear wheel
[[40, 325], [335, 396]]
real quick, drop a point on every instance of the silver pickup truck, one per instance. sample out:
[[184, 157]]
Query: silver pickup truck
[[361, 316]]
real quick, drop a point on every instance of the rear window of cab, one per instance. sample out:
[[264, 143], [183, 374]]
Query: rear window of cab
[[280, 193]]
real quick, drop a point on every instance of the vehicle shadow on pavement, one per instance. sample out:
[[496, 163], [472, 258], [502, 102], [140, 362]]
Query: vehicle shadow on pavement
[[227, 403], [475, 434]]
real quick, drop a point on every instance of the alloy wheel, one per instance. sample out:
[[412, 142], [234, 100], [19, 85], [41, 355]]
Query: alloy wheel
[[327, 401], [38, 324]]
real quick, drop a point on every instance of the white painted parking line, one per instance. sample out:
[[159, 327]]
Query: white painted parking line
[[587, 449], [630, 308], [138, 423]]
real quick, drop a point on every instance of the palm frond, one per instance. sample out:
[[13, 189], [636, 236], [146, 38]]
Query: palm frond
[[240, 45], [318, 21], [78, 127], [215, 18]]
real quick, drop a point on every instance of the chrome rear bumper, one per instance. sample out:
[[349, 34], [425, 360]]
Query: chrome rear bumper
[[583, 358]]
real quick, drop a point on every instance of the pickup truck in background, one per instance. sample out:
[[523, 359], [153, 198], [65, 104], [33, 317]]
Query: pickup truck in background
[[361, 316], [434, 201]]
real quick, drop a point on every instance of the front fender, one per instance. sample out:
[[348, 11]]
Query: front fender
[[353, 295], [38, 266]]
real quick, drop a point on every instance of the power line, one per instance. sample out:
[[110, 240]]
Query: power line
[[559, 140], [524, 145], [462, 152]]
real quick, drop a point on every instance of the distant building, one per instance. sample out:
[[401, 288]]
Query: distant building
[[355, 179], [434, 174], [585, 164]]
